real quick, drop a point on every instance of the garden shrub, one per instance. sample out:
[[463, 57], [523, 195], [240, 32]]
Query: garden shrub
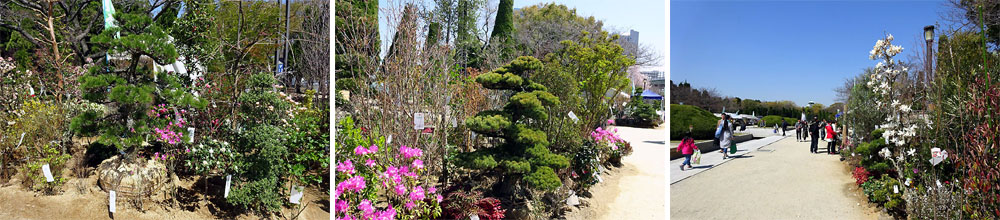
[[261, 152], [639, 113], [461, 205], [772, 120], [33, 175], [376, 174], [308, 143], [681, 116], [585, 165], [524, 152]]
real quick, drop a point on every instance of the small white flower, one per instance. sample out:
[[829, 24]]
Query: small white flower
[[211, 151], [911, 151], [885, 152]]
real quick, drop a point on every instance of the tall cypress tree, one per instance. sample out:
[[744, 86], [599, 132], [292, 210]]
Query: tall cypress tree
[[503, 28]]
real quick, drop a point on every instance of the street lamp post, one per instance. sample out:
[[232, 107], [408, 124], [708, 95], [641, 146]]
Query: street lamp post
[[928, 66]]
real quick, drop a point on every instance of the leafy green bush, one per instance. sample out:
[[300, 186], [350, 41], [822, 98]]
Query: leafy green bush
[[308, 141], [33, 176], [261, 150], [772, 120], [681, 116], [525, 149], [639, 113]]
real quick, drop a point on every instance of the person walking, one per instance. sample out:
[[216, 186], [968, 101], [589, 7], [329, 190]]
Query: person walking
[[724, 132], [814, 132], [687, 148], [784, 125], [831, 138]]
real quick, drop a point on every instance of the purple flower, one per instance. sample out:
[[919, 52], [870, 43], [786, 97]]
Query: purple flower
[[915, 170]]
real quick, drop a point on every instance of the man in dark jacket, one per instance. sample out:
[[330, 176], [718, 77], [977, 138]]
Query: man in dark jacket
[[784, 125], [814, 131]]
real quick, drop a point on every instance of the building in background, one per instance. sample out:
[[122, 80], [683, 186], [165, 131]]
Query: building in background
[[630, 42], [656, 81]]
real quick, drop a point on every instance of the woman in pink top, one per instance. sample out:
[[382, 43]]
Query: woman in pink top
[[687, 148], [831, 141]]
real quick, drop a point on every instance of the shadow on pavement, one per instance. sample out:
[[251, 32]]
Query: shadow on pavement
[[656, 142]]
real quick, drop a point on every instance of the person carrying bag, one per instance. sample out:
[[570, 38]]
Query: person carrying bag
[[724, 132]]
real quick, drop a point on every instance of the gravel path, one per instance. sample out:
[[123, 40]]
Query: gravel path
[[778, 181], [637, 189]]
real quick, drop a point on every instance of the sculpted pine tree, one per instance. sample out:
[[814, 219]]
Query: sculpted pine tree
[[524, 153], [128, 85]]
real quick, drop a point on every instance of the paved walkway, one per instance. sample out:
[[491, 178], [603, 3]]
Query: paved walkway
[[781, 180], [714, 158]]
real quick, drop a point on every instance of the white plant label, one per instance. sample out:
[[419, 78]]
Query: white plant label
[[418, 121], [229, 179], [111, 201], [938, 183], [47, 173], [895, 189], [296, 194], [473, 217], [190, 134], [938, 155], [21, 140], [573, 116], [473, 135], [31, 91], [907, 181], [388, 140], [454, 122]]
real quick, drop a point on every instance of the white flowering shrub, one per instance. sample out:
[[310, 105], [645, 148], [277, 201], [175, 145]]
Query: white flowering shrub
[[902, 122]]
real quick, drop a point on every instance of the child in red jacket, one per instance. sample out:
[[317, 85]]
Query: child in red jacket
[[687, 148]]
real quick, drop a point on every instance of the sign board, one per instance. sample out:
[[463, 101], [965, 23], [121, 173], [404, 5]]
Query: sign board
[[47, 173], [418, 121]]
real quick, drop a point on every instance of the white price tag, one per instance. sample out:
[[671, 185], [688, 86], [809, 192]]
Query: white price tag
[[47, 173], [111, 201], [895, 189], [296, 194], [454, 122], [418, 121], [388, 140], [190, 134], [229, 179], [573, 116], [938, 183], [31, 91], [907, 182]]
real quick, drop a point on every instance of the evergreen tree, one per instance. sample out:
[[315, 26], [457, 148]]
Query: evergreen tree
[[524, 154], [467, 43], [127, 85], [503, 28], [261, 150]]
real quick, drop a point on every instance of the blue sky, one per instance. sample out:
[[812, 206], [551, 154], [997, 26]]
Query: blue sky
[[788, 50], [645, 16]]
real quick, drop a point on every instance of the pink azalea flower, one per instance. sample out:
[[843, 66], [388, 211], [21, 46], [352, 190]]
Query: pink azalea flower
[[360, 150], [342, 206], [366, 207], [410, 205], [439, 198], [400, 189], [417, 194], [418, 164], [611, 121], [373, 149], [432, 190], [346, 167], [370, 163]]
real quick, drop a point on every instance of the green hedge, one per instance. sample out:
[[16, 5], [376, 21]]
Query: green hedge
[[771, 120], [683, 115]]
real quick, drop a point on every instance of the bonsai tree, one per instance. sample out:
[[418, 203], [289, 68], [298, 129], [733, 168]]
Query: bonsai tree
[[524, 153]]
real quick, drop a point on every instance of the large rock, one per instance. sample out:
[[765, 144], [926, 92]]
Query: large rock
[[134, 178]]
